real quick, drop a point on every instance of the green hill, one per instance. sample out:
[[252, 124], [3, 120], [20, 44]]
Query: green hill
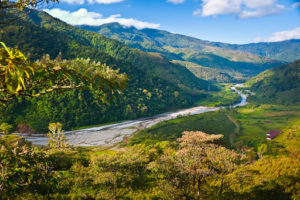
[[280, 85], [155, 84], [236, 64], [288, 50]]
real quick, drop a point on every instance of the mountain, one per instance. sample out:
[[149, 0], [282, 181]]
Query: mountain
[[237, 65], [280, 85], [155, 84], [288, 50]]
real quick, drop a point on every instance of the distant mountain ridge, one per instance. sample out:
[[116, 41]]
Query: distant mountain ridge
[[224, 58], [288, 50]]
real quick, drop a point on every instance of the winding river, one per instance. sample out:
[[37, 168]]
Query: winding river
[[108, 135]]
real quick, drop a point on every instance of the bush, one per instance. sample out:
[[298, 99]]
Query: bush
[[6, 128]]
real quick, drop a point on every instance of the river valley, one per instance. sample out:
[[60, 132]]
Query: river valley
[[108, 135]]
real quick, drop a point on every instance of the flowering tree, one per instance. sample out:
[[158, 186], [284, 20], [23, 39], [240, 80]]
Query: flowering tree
[[200, 156]]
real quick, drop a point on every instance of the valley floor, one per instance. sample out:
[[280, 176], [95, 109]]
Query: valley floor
[[111, 134], [241, 126]]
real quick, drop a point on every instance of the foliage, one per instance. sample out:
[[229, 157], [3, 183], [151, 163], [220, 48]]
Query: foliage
[[290, 139], [25, 78], [21, 4], [224, 97], [261, 150], [24, 170], [57, 138], [14, 70], [280, 85], [9, 8], [256, 121], [201, 156], [6, 128], [211, 122], [271, 178], [197, 166], [212, 74], [112, 175], [146, 172]]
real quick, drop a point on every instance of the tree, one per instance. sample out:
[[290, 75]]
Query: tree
[[8, 8], [261, 150], [200, 157], [22, 77], [23, 169], [57, 138], [21, 4], [5, 128], [194, 157]]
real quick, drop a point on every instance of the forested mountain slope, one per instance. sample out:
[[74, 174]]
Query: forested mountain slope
[[288, 50], [236, 64], [280, 85], [155, 84]]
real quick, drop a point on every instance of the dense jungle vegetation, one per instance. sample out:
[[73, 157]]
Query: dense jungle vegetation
[[215, 155]]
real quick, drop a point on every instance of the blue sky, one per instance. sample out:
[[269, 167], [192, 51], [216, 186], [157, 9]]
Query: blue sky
[[231, 21]]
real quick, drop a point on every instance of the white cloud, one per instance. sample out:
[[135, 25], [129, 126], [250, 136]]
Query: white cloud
[[260, 12], [175, 1], [215, 7], [241, 8], [92, 1], [84, 17], [281, 36], [105, 1], [73, 1], [259, 3], [296, 5]]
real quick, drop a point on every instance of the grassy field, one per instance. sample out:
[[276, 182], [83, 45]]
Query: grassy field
[[224, 97], [253, 121], [256, 121], [210, 122]]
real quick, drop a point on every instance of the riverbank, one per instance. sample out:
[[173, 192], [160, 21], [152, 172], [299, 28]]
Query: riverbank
[[111, 134]]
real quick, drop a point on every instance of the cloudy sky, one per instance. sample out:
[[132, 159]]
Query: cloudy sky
[[231, 21]]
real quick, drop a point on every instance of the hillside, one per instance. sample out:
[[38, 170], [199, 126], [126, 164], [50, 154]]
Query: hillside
[[183, 48], [155, 84], [280, 85], [288, 50]]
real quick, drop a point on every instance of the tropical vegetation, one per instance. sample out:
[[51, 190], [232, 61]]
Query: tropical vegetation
[[224, 154]]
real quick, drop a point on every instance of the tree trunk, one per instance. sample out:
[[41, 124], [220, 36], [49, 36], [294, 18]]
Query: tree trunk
[[198, 187], [221, 189]]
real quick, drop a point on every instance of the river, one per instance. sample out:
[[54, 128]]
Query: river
[[108, 135]]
